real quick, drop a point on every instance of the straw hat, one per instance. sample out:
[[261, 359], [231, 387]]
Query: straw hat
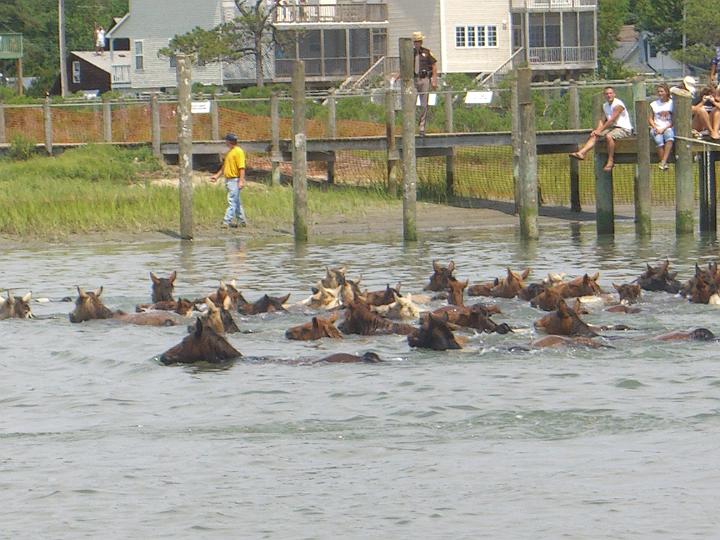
[[689, 83], [417, 36]]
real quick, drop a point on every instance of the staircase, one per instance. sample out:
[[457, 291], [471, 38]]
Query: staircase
[[493, 79]]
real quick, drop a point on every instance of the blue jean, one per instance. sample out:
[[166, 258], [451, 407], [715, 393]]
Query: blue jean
[[662, 138], [235, 207]]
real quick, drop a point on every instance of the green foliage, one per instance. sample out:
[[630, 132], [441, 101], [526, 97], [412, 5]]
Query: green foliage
[[37, 20], [611, 17], [21, 148], [663, 21]]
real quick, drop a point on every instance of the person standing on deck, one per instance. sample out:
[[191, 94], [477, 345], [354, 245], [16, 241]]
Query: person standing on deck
[[425, 72], [233, 169], [614, 125]]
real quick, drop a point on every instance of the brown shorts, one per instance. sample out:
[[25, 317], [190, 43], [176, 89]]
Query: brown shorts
[[616, 132]]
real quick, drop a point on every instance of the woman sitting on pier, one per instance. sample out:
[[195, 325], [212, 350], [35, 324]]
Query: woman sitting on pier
[[661, 124]]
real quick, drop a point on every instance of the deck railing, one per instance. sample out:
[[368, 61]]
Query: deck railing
[[554, 4], [561, 55], [291, 13]]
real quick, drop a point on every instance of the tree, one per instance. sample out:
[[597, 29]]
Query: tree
[[611, 17], [250, 34], [663, 21]]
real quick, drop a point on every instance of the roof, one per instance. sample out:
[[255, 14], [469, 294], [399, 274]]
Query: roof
[[118, 24], [104, 61]]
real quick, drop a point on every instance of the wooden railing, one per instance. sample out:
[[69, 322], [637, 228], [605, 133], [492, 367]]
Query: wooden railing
[[292, 13], [553, 4]]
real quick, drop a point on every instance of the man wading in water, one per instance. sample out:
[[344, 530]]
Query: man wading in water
[[233, 169]]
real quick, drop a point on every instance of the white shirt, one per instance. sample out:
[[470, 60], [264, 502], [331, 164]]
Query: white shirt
[[623, 121], [662, 111]]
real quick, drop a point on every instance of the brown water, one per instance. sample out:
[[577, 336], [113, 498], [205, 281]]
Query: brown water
[[99, 440]]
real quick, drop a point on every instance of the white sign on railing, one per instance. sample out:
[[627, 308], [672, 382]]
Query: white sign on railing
[[432, 100], [478, 98], [200, 107]]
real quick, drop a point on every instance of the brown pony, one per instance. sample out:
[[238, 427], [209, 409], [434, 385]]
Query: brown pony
[[15, 307], [564, 322], [89, 306], [203, 344], [316, 329]]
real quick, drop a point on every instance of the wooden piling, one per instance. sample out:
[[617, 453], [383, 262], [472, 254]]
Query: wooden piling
[[275, 154], [409, 97], [604, 203], [299, 153], [393, 157], [185, 146], [215, 119], [684, 181], [712, 194], [703, 190], [3, 134], [107, 121], [331, 132], [643, 193], [156, 128], [19, 85], [515, 141], [528, 185], [574, 123], [450, 156], [47, 121]]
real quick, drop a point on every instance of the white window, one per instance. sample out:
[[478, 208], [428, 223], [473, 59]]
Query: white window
[[481, 41], [492, 36], [471, 36], [139, 56], [460, 36], [76, 72], [476, 36]]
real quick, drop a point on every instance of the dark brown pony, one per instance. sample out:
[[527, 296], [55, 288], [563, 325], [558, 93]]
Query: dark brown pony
[[89, 306], [162, 288], [203, 344], [360, 320], [434, 333], [441, 275], [266, 304], [316, 329]]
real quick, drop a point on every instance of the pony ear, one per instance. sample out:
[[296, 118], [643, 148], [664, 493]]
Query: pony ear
[[223, 287], [436, 266], [154, 278], [617, 287], [315, 323], [172, 277], [596, 276], [198, 328], [227, 304], [465, 283], [451, 266], [80, 290], [98, 292], [562, 307], [525, 273], [333, 317], [210, 304], [27, 297]]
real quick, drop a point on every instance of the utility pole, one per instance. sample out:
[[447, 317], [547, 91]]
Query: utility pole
[[684, 38], [63, 55]]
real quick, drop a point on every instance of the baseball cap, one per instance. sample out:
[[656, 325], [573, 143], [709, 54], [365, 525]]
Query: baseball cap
[[231, 137]]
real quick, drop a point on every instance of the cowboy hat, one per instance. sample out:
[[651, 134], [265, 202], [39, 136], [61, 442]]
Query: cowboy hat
[[417, 36], [689, 83]]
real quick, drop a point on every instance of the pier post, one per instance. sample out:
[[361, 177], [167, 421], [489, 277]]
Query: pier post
[[215, 119], [331, 132], [393, 157], [450, 156], [409, 97], [703, 189], [643, 193], [528, 185], [712, 193], [275, 155], [299, 153], [3, 134], [107, 121], [684, 188], [515, 141], [156, 127], [574, 123], [604, 203], [47, 121], [185, 144]]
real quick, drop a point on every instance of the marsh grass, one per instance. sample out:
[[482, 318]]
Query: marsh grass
[[103, 189]]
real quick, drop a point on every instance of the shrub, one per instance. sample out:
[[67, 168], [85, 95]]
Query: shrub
[[21, 148]]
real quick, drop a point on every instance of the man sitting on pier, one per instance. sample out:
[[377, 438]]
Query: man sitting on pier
[[614, 125]]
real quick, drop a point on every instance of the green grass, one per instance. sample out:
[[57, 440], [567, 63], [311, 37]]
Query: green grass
[[103, 189]]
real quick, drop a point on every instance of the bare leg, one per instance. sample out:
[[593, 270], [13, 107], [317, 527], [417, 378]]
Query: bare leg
[[666, 153], [660, 152], [610, 142], [588, 146], [715, 124], [701, 119]]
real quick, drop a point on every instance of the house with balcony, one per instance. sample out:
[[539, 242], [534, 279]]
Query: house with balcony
[[338, 40], [557, 38]]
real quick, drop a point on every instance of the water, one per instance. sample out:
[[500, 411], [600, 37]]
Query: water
[[98, 440]]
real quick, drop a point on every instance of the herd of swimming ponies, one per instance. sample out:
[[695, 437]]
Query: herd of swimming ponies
[[389, 311]]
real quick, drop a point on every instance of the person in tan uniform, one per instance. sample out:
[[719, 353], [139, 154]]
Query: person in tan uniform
[[425, 71]]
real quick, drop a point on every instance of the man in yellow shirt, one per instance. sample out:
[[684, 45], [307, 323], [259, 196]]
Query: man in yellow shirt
[[233, 169]]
